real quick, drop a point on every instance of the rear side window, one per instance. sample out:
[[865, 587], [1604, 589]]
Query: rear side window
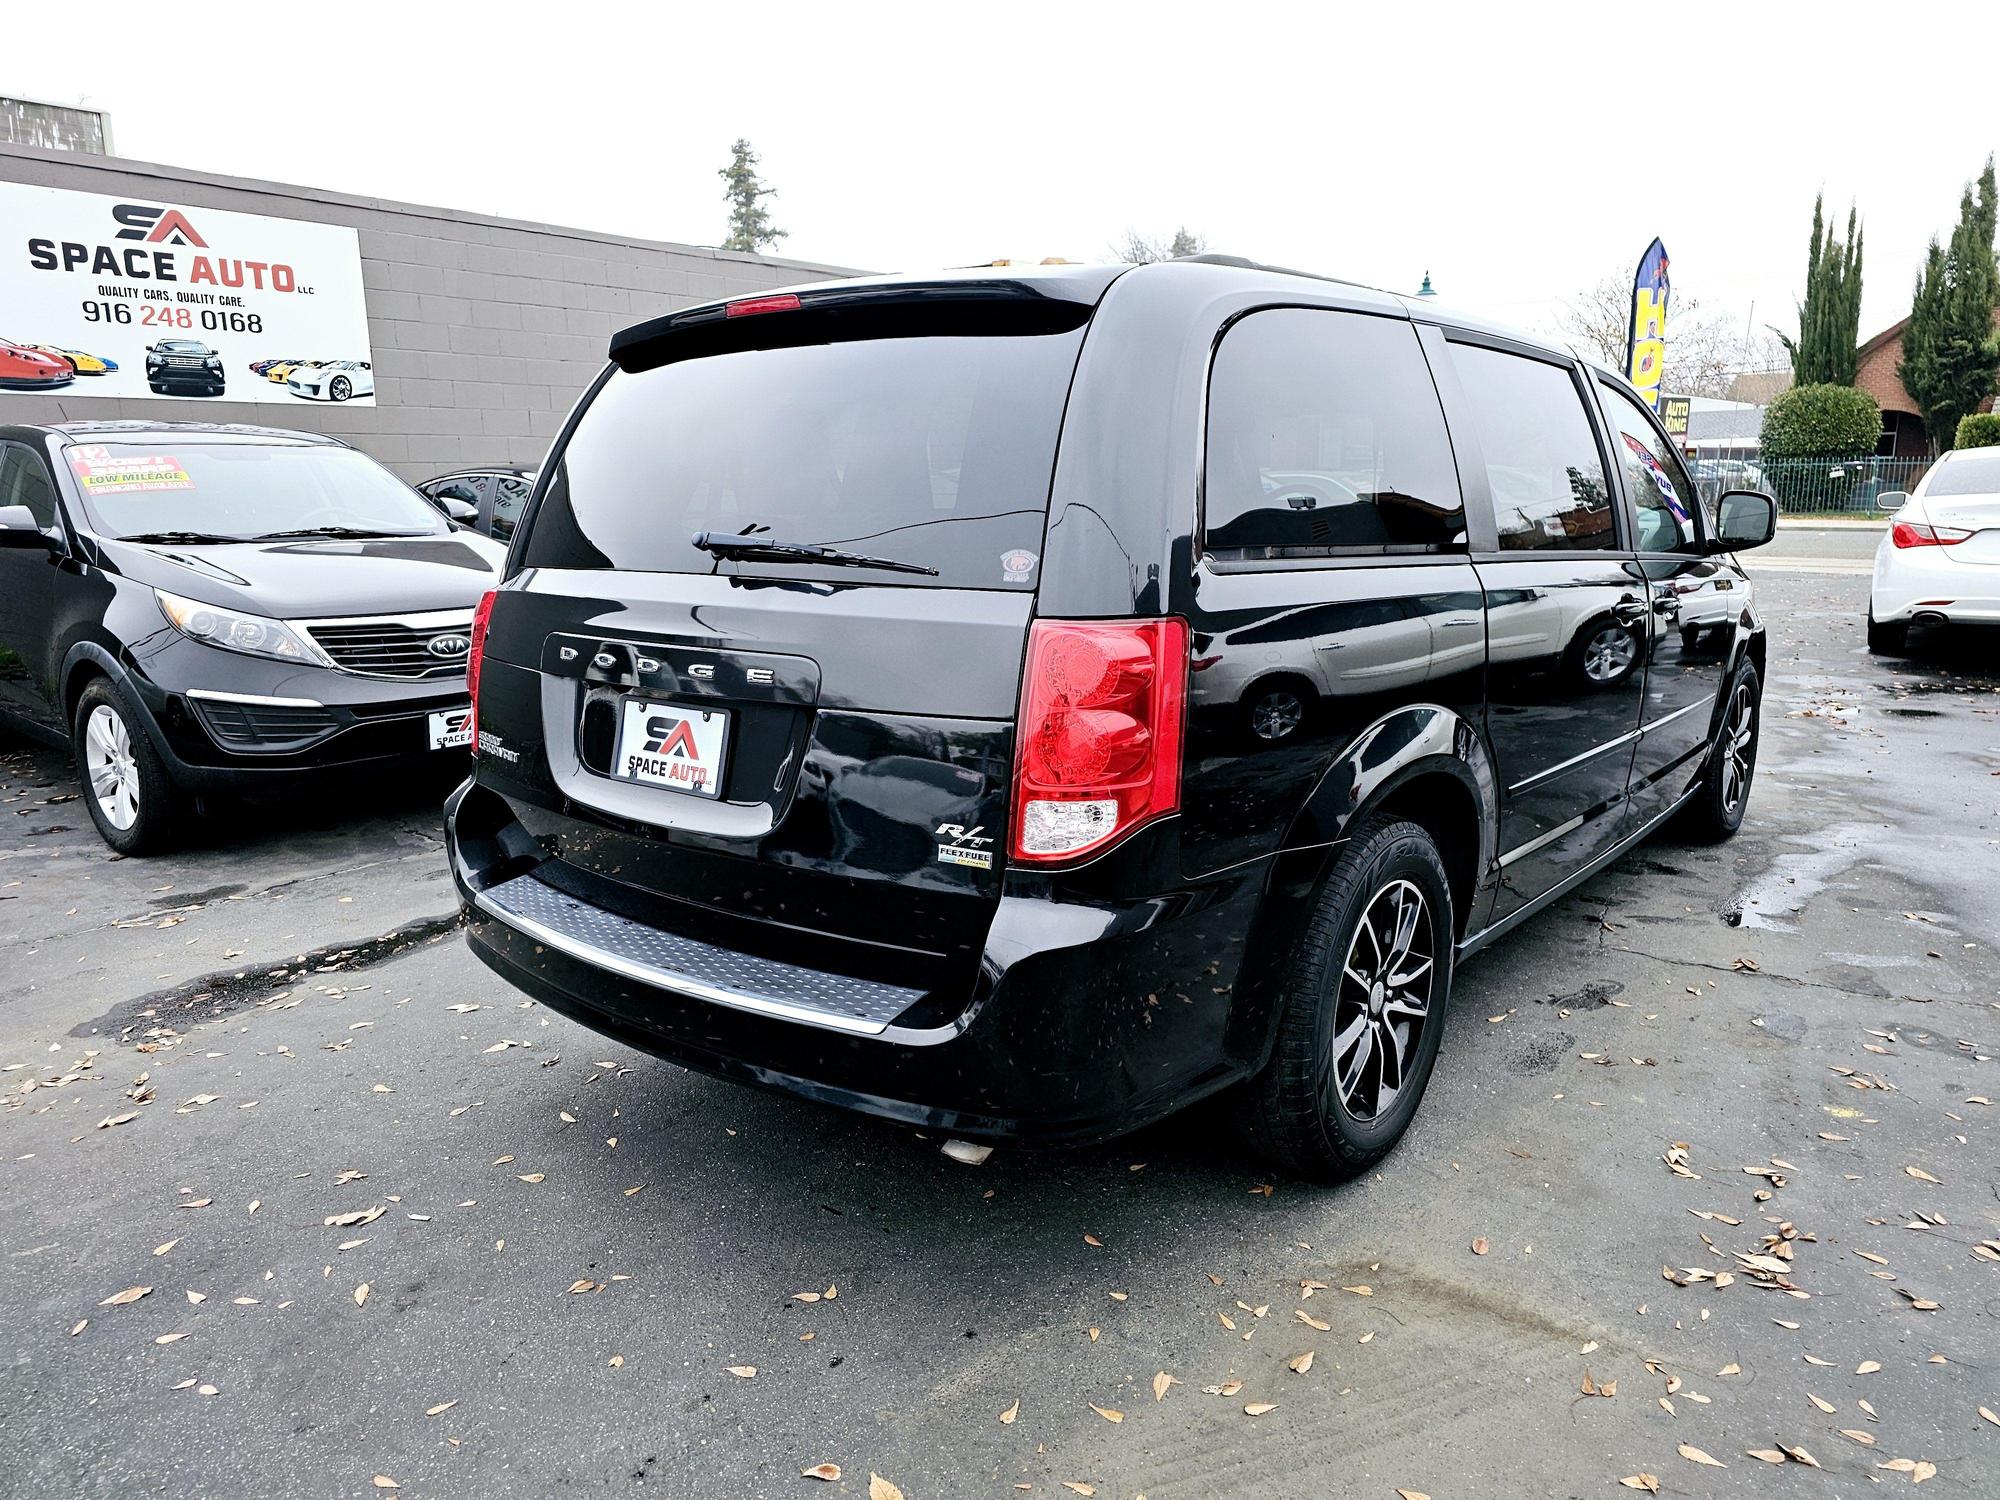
[[1542, 459], [936, 451], [1325, 436]]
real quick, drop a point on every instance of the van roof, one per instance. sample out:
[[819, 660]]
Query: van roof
[[1079, 284]]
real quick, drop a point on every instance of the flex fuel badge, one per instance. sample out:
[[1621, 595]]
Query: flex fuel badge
[[964, 846]]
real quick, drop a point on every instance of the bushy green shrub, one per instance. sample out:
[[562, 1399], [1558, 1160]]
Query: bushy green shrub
[[1979, 430], [1821, 421]]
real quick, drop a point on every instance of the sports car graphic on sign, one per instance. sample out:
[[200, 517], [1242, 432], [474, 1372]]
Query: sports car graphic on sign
[[264, 366], [26, 369], [77, 360], [279, 371], [332, 380]]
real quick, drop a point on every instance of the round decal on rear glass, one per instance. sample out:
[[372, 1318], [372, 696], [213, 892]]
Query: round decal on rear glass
[[1015, 566]]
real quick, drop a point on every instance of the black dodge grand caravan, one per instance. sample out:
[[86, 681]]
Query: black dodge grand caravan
[[1023, 702]]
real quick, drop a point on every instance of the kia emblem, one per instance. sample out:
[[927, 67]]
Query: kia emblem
[[449, 645]]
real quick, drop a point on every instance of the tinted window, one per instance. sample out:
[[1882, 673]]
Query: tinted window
[[463, 488], [1662, 497], [1324, 434], [23, 481], [935, 451], [1966, 474], [509, 496], [1542, 460]]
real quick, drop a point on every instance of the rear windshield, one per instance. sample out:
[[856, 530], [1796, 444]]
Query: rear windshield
[[1966, 474], [933, 451]]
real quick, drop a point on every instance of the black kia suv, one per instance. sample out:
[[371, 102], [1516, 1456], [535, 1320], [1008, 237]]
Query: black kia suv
[[184, 366], [863, 713], [202, 608]]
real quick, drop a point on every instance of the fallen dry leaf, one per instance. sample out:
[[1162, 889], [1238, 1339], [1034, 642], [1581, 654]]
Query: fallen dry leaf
[[440, 1409], [1922, 1176], [1108, 1413], [1161, 1382], [384, 1482], [1479, 1246], [1413, 1494], [1766, 1455], [1007, 1416], [1694, 1455], [1300, 1363], [1360, 1291], [880, 1489], [828, 1472], [1642, 1481], [741, 1372], [361, 1295], [1310, 1321], [1093, 1240], [1077, 1485], [1258, 1408], [127, 1297]]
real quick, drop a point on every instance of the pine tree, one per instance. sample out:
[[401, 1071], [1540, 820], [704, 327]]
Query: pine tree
[[750, 226], [1951, 354], [1830, 316]]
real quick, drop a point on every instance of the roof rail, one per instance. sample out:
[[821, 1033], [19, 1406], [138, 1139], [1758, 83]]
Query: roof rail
[[1244, 263]]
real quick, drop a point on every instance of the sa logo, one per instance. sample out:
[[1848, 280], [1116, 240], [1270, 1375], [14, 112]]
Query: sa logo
[[666, 736]]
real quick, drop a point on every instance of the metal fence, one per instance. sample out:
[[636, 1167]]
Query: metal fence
[[1812, 486]]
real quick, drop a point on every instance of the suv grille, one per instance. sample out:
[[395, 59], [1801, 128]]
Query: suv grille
[[264, 726], [394, 647]]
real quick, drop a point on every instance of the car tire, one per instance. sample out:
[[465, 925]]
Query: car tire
[[339, 389], [1318, 1107], [132, 800], [1887, 639], [1731, 764]]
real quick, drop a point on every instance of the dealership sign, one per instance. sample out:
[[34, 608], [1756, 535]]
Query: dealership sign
[[103, 296]]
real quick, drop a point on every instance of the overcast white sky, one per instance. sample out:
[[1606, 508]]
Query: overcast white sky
[[1518, 153]]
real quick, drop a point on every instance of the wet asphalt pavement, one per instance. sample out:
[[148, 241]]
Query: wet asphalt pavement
[[560, 1247]]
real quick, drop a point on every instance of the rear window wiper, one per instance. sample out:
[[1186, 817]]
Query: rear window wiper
[[767, 549], [179, 536], [333, 531]]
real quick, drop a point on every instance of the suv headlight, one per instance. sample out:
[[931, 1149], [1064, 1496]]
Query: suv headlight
[[253, 635]]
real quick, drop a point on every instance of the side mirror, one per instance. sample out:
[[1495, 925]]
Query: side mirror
[[456, 510], [19, 528], [1745, 518], [1892, 499]]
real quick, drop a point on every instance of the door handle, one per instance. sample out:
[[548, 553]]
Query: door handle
[[1666, 604], [1628, 611]]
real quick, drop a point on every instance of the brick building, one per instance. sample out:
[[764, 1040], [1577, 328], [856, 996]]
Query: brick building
[[484, 330], [1903, 434]]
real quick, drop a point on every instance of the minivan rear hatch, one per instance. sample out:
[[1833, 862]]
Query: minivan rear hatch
[[771, 747]]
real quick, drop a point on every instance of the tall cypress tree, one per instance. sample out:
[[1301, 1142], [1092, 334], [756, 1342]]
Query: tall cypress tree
[[1951, 354], [750, 226], [1830, 315]]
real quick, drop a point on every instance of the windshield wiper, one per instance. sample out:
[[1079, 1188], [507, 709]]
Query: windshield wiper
[[768, 549], [179, 536], [333, 531]]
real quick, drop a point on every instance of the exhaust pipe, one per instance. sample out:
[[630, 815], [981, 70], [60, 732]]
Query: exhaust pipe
[[1928, 617]]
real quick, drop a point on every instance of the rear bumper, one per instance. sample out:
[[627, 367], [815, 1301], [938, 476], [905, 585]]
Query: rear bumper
[[1085, 1021], [1923, 581]]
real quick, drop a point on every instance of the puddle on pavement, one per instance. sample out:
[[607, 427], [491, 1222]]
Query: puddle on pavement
[[1781, 893]]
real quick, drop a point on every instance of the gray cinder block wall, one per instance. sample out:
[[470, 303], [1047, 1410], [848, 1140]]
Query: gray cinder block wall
[[485, 330]]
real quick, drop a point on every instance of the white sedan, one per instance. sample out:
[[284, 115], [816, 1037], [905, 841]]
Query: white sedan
[[335, 380], [1940, 561]]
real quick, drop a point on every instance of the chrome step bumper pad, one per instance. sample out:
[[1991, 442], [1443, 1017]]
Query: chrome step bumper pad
[[687, 966]]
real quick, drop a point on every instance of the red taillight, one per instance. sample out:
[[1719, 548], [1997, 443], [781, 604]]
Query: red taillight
[[750, 306], [480, 615], [1914, 534], [1098, 752]]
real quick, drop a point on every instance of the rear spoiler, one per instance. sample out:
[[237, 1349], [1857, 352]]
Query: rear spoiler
[[845, 311]]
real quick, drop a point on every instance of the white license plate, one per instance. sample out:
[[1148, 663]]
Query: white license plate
[[452, 729], [673, 746]]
